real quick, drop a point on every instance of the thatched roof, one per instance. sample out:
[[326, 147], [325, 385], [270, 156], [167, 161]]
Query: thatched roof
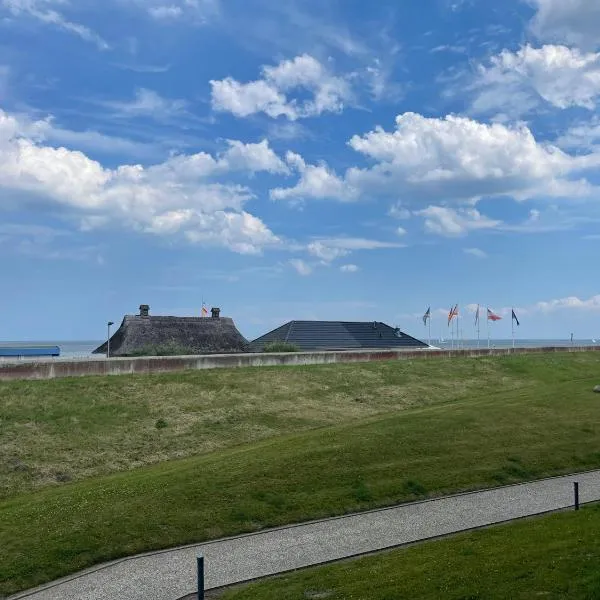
[[194, 335]]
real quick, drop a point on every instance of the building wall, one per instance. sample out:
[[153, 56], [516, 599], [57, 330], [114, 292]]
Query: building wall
[[122, 366]]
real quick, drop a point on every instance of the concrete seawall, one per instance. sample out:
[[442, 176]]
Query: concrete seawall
[[165, 364]]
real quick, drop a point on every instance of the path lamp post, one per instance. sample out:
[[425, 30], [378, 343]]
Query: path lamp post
[[108, 339]]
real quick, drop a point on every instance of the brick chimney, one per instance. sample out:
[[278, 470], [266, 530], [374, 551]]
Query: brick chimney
[[144, 310], [215, 312]]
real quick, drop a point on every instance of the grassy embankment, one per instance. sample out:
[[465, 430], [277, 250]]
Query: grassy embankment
[[70, 429], [552, 557], [415, 429]]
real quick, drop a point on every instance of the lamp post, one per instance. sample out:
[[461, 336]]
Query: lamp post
[[108, 339]]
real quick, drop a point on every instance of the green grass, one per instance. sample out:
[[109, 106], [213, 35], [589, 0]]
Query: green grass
[[499, 437], [56, 431], [280, 346], [552, 557]]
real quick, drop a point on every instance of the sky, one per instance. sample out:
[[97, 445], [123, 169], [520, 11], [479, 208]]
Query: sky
[[288, 160]]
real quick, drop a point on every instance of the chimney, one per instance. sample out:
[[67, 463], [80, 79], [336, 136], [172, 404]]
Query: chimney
[[215, 312], [144, 310]]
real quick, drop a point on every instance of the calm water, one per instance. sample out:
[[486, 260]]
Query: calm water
[[507, 343], [83, 349]]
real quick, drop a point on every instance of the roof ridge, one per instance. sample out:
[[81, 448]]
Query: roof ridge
[[287, 335]]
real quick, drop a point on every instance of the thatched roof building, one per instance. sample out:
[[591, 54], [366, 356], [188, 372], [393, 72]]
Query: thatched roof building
[[146, 335]]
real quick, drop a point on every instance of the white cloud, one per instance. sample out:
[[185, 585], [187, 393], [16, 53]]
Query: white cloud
[[399, 211], [455, 222], [325, 252], [400, 231], [571, 302], [516, 82], [351, 243], [454, 158], [301, 267], [270, 94], [584, 135], [316, 181], [329, 249], [42, 11], [574, 22], [165, 11], [476, 252], [182, 195], [148, 103], [349, 269]]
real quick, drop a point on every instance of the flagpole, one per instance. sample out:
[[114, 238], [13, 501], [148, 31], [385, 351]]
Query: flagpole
[[487, 320], [429, 332], [512, 322]]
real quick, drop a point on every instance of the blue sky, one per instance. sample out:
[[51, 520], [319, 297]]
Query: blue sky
[[299, 160]]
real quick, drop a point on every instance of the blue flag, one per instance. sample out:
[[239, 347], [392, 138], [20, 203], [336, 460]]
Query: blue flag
[[426, 316], [515, 318]]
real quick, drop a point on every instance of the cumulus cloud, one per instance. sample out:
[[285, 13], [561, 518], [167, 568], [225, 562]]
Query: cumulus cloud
[[517, 82], [452, 222], [184, 195], [454, 158], [273, 93], [571, 302], [316, 181], [43, 11], [574, 22]]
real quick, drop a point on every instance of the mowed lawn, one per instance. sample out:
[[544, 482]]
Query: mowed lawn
[[56, 431], [548, 425], [553, 557]]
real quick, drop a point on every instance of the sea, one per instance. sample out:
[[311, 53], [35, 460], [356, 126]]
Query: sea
[[83, 348]]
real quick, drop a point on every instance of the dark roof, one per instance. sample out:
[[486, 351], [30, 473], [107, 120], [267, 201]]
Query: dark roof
[[197, 335], [337, 335]]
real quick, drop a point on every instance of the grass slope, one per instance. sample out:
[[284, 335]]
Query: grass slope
[[56, 431], [553, 557], [476, 442]]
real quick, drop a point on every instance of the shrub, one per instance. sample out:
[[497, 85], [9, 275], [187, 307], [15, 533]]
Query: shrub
[[280, 347]]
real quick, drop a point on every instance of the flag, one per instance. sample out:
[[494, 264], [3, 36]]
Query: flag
[[515, 318], [492, 316], [477, 316], [204, 311], [426, 316], [453, 313]]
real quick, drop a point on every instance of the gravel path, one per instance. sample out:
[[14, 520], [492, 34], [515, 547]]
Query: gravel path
[[171, 574]]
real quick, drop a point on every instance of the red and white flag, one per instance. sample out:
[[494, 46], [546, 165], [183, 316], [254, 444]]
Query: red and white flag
[[493, 316]]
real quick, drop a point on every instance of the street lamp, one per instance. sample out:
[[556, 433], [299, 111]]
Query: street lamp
[[108, 339]]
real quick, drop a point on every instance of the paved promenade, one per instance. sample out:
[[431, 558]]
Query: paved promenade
[[171, 574]]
